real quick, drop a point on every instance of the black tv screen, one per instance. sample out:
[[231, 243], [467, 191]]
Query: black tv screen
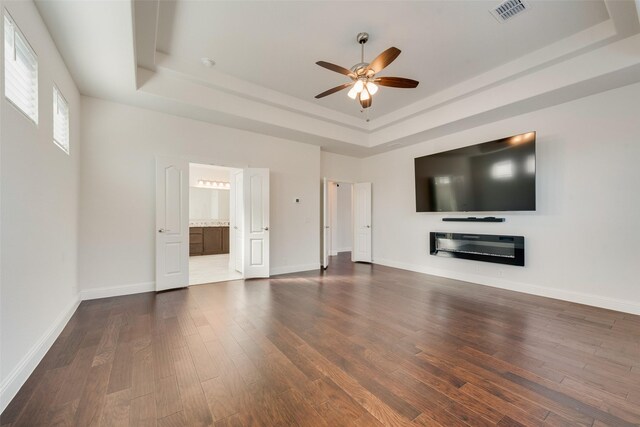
[[498, 175]]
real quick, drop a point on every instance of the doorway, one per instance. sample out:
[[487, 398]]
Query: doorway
[[246, 237], [340, 217], [213, 255], [345, 221]]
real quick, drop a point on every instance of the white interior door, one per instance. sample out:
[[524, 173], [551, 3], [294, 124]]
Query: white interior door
[[236, 222], [256, 222], [361, 222], [334, 224], [326, 229], [172, 223]]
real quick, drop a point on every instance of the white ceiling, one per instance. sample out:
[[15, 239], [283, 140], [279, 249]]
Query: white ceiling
[[472, 69], [276, 44]]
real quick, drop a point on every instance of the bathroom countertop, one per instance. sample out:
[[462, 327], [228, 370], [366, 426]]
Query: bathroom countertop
[[208, 223]]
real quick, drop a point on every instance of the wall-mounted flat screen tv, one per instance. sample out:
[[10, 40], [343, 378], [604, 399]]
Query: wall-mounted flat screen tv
[[494, 176]]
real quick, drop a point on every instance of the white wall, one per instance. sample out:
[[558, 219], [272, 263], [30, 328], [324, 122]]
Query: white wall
[[117, 210], [339, 168], [581, 243], [39, 220]]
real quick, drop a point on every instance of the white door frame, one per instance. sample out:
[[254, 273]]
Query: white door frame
[[236, 222], [197, 160], [332, 226], [233, 169], [325, 225]]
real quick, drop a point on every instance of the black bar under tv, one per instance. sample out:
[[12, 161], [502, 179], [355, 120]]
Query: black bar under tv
[[474, 219]]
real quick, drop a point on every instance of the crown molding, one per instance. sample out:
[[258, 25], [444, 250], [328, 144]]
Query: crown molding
[[598, 58]]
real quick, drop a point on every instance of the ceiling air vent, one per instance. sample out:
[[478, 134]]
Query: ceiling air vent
[[508, 9]]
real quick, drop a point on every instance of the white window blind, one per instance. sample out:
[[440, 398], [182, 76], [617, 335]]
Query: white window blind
[[20, 70], [60, 120]]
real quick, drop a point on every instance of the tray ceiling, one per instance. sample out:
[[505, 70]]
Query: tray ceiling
[[472, 69], [276, 44]]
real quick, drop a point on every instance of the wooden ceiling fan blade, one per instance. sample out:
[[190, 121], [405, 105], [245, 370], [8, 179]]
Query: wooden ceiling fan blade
[[334, 90], [384, 59], [399, 82], [336, 68]]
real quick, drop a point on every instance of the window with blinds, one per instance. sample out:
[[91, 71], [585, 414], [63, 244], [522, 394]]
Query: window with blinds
[[60, 120], [20, 70]]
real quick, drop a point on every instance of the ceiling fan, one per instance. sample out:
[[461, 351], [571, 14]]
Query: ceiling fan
[[364, 82]]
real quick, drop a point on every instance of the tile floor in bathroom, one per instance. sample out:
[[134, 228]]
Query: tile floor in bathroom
[[211, 268]]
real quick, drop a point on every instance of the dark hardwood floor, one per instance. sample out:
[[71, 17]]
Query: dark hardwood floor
[[358, 345]]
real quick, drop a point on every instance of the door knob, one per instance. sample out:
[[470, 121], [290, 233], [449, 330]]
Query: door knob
[[163, 230], [266, 229], [368, 226]]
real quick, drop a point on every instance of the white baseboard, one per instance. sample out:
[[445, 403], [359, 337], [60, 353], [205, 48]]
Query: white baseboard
[[543, 291], [16, 379], [19, 375], [293, 269], [116, 291]]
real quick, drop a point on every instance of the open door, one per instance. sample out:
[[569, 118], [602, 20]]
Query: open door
[[172, 223], [325, 228], [236, 222], [361, 222], [256, 222]]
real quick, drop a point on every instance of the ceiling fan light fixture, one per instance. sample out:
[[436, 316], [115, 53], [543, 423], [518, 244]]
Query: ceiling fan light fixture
[[363, 75]]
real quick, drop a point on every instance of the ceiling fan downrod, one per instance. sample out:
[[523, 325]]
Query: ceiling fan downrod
[[362, 39]]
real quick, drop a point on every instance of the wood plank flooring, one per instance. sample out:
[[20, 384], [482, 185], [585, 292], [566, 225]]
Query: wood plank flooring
[[357, 345]]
